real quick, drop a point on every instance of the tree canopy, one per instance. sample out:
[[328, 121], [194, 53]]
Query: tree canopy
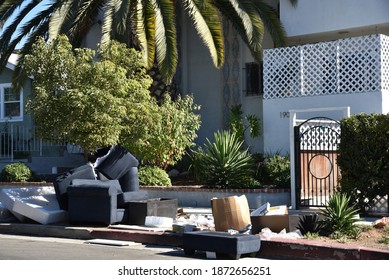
[[88, 98]]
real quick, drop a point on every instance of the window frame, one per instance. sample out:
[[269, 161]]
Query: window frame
[[3, 103], [249, 72]]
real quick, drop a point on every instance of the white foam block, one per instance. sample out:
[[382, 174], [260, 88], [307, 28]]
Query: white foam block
[[9, 202], [155, 221], [36, 203]]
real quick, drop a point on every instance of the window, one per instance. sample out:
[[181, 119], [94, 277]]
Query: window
[[254, 78], [11, 103]]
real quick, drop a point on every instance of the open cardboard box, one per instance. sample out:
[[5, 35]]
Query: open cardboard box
[[231, 213], [276, 218]]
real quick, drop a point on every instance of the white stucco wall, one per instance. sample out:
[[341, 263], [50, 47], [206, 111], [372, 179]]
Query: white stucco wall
[[385, 102], [318, 16], [276, 117]]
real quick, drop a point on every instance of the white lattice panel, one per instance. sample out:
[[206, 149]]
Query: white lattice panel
[[350, 65], [385, 62], [282, 72], [379, 205]]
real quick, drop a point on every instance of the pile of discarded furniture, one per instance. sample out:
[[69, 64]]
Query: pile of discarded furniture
[[100, 193], [103, 193]]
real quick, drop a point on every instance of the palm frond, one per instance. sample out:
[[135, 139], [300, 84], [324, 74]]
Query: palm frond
[[85, 16], [42, 24], [273, 24], [109, 12], [122, 11], [229, 13], [208, 24], [9, 31], [145, 30], [28, 30], [63, 16], [7, 8], [165, 36]]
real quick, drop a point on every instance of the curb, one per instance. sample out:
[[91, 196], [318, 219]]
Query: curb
[[302, 249], [276, 248]]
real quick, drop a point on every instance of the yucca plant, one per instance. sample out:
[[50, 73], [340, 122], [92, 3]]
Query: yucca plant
[[309, 224], [223, 163], [340, 215]]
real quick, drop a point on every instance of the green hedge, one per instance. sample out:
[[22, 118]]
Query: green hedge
[[153, 176], [364, 157]]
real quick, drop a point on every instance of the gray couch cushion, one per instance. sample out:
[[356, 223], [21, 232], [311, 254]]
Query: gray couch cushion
[[85, 183], [130, 180], [116, 163], [63, 181], [126, 197]]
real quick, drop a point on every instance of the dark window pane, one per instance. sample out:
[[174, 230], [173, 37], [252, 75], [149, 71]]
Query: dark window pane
[[9, 95], [12, 110]]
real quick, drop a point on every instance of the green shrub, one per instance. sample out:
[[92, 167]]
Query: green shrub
[[153, 176], [340, 216], [165, 143], [363, 157], [16, 172], [275, 170], [223, 163], [239, 124]]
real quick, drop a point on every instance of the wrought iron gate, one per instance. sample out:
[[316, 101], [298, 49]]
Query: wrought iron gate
[[316, 151]]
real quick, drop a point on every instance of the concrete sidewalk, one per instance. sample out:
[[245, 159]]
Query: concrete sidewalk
[[275, 248]]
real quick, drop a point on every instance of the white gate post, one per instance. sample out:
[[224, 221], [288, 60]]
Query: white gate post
[[292, 120]]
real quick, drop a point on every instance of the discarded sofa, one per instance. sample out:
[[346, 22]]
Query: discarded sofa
[[100, 193]]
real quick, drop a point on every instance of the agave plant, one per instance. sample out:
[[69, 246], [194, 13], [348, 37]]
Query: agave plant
[[340, 215], [309, 224], [223, 163]]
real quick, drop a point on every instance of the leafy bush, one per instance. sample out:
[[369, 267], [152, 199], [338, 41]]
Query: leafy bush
[[16, 172], [275, 170], [166, 142], [153, 176], [223, 163], [339, 216], [364, 156], [239, 124], [88, 98]]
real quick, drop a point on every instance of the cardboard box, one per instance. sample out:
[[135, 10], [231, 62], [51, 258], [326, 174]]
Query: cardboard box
[[277, 210], [275, 223], [231, 213]]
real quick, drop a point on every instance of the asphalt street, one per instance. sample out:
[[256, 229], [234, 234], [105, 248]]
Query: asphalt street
[[15, 247]]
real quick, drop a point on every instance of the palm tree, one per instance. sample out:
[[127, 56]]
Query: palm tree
[[147, 25]]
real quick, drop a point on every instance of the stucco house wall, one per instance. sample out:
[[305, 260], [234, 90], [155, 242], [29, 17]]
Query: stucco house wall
[[320, 20], [276, 113]]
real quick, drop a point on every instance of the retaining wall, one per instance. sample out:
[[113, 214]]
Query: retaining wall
[[195, 196]]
